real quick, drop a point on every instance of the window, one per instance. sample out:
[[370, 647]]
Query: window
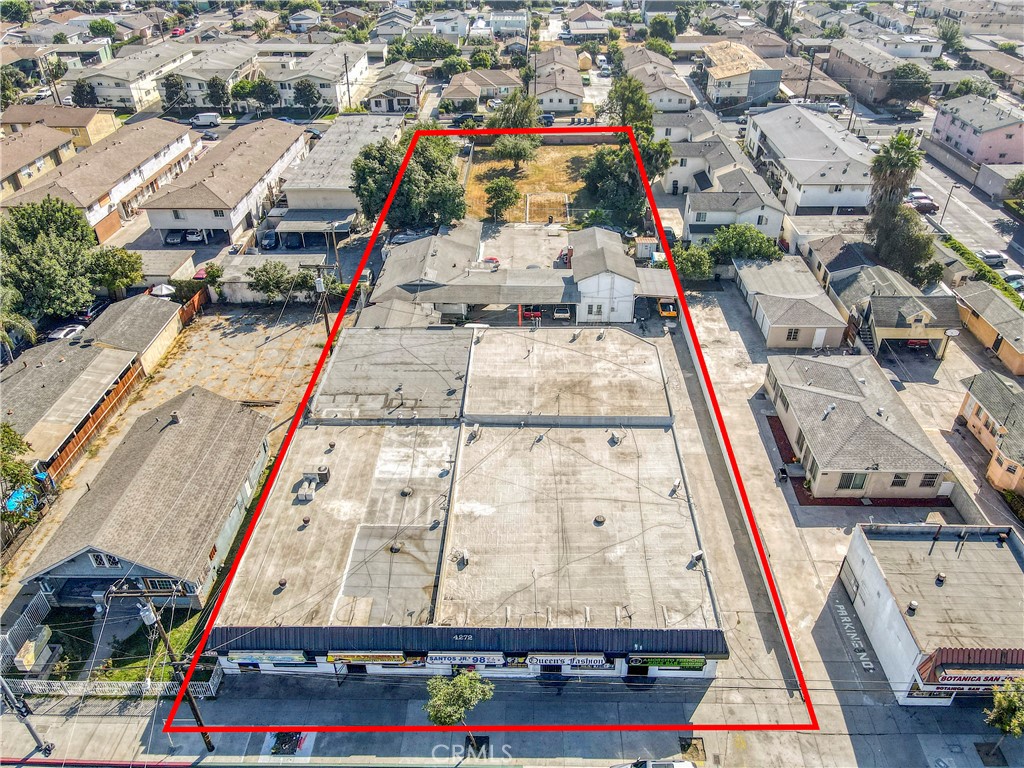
[[218, 214], [793, 334], [899, 480], [837, 188], [324, 86], [762, 220], [101, 560], [929, 479], [814, 469], [977, 411], [668, 131], [852, 481], [783, 399], [772, 381], [177, 214], [682, 162], [800, 440], [1010, 135], [702, 216], [926, 49], [162, 584], [1002, 155], [1011, 468]]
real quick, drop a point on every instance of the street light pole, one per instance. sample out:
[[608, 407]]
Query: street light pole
[[946, 206], [22, 710]]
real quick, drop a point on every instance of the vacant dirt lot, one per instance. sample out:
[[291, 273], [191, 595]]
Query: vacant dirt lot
[[556, 171]]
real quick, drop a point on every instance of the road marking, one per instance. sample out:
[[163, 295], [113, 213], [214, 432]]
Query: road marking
[[955, 200]]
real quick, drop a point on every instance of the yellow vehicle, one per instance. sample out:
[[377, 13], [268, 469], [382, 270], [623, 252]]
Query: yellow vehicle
[[667, 308]]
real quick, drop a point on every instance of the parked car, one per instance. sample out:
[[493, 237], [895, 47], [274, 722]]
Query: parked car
[[205, 120], [173, 237], [65, 332], [547, 119], [835, 108], [209, 136], [991, 257], [493, 103], [667, 308], [564, 36], [558, 9], [88, 314], [923, 205], [315, 133], [43, 94], [462, 119], [67, 101], [585, 78], [270, 240], [177, 32], [605, 72], [741, 120], [286, 120], [531, 311], [193, 236], [366, 277], [292, 240], [562, 312]]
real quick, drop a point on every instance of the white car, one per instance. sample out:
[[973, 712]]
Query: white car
[[64, 332], [991, 257], [562, 312], [193, 236], [67, 101], [494, 103]]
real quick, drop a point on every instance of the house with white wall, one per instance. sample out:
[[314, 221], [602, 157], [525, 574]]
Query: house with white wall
[[605, 276], [694, 163], [560, 91], [334, 69], [133, 81], [231, 61], [737, 196], [909, 46], [304, 21]]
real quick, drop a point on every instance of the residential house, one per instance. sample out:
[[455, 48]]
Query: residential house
[[692, 46], [788, 305], [737, 77], [336, 70], [585, 12], [667, 92], [231, 62], [30, 153], [863, 70], [110, 180], [582, 31], [553, 59], [132, 81], [60, 393], [909, 46], [144, 324], [638, 57], [763, 42], [694, 162], [945, 80], [176, 542], [993, 411], [304, 21], [995, 321], [695, 125], [350, 17], [452, 25], [86, 126], [44, 32], [136, 25], [984, 18], [835, 257], [850, 429], [736, 196], [479, 84], [981, 130], [516, 46], [393, 24], [818, 166], [81, 56], [605, 276], [955, 271], [892, 18], [1001, 67], [250, 16], [560, 91], [800, 80], [505, 23], [399, 89], [820, 46]]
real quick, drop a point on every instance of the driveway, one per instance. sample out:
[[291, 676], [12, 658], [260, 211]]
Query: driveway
[[550, 32]]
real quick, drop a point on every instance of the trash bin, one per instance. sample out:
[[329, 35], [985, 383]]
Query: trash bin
[[551, 219]]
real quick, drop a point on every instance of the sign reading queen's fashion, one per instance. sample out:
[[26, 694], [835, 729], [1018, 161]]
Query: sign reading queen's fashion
[[586, 660]]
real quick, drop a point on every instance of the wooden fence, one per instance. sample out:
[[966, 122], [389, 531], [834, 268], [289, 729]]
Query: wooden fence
[[191, 307]]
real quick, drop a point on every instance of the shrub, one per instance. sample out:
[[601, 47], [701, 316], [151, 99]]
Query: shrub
[[1015, 503], [982, 271]]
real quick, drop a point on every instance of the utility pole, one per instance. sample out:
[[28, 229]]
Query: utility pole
[[22, 710], [348, 84], [321, 289], [150, 617], [810, 73], [853, 109]]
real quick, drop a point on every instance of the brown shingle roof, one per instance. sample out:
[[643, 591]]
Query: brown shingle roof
[[22, 148]]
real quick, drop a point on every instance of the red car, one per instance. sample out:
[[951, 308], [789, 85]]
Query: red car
[[531, 311], [177, 32]]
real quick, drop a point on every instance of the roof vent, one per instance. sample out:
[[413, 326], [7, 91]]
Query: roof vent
[[940, 579], [305, 521], [396, 547], [175, 418], [1003, 537], [599, 520], [912, 608], [881, 411], [406, 492], [282, 583]]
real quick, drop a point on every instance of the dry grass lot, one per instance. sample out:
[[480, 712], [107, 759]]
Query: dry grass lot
[[556, 169]]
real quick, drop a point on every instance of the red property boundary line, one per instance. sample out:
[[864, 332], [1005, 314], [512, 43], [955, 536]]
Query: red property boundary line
[[812, 723]]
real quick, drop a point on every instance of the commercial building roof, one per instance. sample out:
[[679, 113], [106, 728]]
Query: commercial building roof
[[329, 163], [984, 114], [597, 250], [83, 179], [163, 496], [24, 147], [132, 324], [851, 417], [52, 388], [997, 310], [978, 605], [225, 174], [788, 293], [728, 59]]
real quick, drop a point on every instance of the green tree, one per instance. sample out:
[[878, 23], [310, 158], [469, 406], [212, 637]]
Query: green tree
[[304, 5], [450, 699], [261, 28], [1007, 713], [26, 222], [372, 173], [16, 11], [15, 473], [307, 94], [834, 32], [217, 92], [517, 110], [56, 68], [693, 263], [83, 94], [772, 13], [430, 47], [742, 241], [950, 35], [175, 93], [908, 83], [60, 39], [518, 149], [114, 268], [271, 278], [214, 276], [480, 59], [12, 83], [941, 65], [1009, 47], [452, 66], [51, 274], [902, 242], [640, 34], [11, 319], [682, 20], [502, 194], [971, 87], [103, 28], [242, 90], [708, 27], [893, 169], [663, 27], [1015, 186], [657, 45], [265, 92], [627, 103]]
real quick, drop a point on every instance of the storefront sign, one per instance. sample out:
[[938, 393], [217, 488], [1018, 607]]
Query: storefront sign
[[580, 660], [267, 657], [688, 663], [988, 679], [359, 657], [481, 659]]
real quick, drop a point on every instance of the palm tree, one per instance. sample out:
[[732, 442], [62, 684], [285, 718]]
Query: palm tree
[[772, 15], [894, 168], [10, 320]]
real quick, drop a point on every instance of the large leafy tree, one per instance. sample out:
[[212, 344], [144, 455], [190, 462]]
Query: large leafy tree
[[307, 94], [15, 473], [969, 86], [518, 149], [1007, 713], [772, 13], [15, 11], [682, 19], [24, 223], [502, 194], [372, 172], [742, 241], [271, 278], [51, 274], [12, 83], [518, 110], [103, 28], [175, 93], [83, 94], [11, 319], [265, 92], [693, 263], [217, 92], [657, 45], [114, 268], [951, 36], [627, 103], [451, 699], [663, 27], [902, 243], [1015, 186], [452, 66], [908, 82], [480, 59]]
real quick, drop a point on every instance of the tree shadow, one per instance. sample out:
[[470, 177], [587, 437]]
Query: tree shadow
[[500, 172], [1005, 227], [576, 166]]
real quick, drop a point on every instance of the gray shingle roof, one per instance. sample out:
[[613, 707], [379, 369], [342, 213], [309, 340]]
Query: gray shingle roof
[[27, 145], [167, 489], [869, 282], [894, 311], [997, 310], [1003, 399], [983, 114], [428, 262], [869, 424], [696, 121], [788, 293], [132, 324], [838, 254], [597, 250]]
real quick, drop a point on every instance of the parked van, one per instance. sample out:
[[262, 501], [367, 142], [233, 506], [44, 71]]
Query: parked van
[[601, 60], [205, 120]]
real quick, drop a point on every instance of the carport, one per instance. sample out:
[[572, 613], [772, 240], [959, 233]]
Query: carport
[[477, 289], [655, 283], [317, 227]]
